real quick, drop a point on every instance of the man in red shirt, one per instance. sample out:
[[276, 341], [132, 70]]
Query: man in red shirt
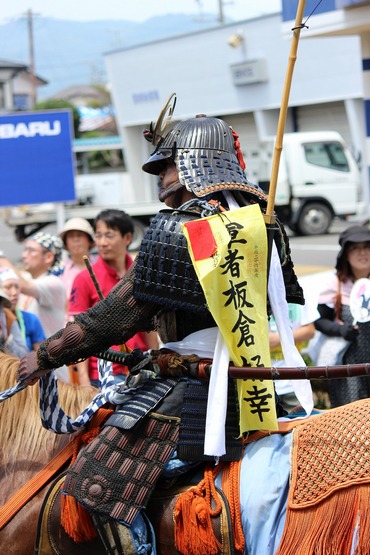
[[113, 234]]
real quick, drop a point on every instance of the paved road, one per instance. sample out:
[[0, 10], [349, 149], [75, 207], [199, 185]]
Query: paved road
[[314, 254]]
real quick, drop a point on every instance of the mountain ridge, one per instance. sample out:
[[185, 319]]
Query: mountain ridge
[[69, 53]]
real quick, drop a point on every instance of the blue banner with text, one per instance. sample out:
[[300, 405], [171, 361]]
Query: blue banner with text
[[36, 158]]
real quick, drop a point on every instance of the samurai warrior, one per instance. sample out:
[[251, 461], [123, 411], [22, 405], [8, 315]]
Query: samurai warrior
[[160, 428]]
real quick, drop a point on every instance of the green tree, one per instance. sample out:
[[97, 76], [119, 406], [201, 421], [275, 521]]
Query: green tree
[[56, 104]]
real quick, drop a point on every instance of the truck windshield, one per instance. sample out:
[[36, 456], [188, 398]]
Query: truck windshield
[[326, 155]]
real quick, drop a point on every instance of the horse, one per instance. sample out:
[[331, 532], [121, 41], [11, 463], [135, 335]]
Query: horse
[[303, 490], [25, 448]]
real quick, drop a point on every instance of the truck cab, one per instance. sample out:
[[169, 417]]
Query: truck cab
[[318, 180]]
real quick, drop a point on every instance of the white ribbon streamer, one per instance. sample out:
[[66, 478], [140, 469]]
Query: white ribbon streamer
[[280, 309]]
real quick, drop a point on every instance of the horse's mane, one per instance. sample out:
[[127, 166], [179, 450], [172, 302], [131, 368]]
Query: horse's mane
[[21, 431]]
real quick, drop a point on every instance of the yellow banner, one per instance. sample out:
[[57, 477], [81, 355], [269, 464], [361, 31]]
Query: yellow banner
[[229, 253]]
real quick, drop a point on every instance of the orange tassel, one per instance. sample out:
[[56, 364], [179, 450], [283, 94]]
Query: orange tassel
[[76, 520], [194, 533]]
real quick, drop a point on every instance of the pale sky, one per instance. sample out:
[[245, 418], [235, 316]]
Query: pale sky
[[134, 10]]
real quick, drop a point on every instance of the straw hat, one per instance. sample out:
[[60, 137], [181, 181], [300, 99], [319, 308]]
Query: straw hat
[[77, 224]]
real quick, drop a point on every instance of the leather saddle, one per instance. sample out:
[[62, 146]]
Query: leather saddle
[[51, 538]]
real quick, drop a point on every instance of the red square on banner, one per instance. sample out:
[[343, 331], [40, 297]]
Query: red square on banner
[[201, 238]]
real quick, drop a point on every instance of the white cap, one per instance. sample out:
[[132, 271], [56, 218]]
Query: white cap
[[7, 273], [77, 224]]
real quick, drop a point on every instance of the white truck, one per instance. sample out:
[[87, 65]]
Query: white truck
[[318, 180]]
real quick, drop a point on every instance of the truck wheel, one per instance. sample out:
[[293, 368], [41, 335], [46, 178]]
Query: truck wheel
[[314, 219], [139, 232], [19, 233]]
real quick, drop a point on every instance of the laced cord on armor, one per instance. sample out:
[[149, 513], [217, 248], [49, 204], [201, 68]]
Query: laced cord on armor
[[204, 208]]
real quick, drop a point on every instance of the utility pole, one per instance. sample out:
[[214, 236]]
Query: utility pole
[[221, 18], [31, 58]]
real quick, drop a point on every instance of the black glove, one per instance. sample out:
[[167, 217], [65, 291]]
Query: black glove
[[348, 332]]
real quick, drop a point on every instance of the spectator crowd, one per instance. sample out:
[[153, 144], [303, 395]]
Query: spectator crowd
[[54, 284]]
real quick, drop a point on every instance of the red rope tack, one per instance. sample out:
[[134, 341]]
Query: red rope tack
[[239, 153]]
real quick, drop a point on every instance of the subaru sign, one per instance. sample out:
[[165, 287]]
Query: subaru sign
[[36, 158]]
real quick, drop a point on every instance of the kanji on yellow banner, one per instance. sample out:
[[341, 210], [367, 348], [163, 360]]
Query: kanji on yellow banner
[[229, 254]]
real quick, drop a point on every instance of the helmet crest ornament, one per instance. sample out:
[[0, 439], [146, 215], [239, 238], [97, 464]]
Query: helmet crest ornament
[[157, 131]]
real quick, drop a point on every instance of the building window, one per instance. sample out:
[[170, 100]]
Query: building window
[[21, 101]]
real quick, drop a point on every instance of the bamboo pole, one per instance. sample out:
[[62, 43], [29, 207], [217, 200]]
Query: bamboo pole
[[93, 277], [269, 216]]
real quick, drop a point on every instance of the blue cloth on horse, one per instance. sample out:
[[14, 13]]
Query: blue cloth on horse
[[264, 486]]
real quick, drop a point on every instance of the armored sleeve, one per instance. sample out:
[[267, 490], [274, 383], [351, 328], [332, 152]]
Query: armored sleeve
[[110, 322]]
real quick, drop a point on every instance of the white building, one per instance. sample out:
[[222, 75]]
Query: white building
[[237, 71], [17, 86], [343, 18]]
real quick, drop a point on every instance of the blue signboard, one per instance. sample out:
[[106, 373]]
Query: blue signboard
[[350, 3], [314, 7], [36, 158]]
